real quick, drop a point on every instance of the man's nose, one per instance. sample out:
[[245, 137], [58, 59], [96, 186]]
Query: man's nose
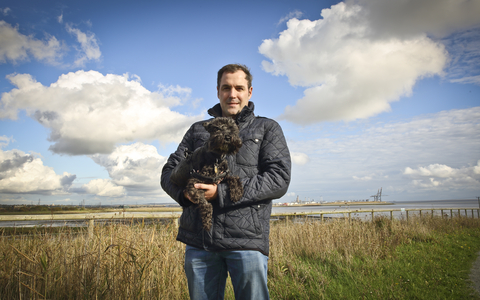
[[233, 93]]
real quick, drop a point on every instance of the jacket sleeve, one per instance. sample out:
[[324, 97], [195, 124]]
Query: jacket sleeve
[[173, 190], [273, 178]]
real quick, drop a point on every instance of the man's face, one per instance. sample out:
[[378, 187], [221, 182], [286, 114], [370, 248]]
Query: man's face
[[233, 93]]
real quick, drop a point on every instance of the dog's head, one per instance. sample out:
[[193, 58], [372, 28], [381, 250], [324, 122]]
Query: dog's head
[[224, 138]]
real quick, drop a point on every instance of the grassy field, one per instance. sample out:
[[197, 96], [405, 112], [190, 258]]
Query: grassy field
[[427, 258]]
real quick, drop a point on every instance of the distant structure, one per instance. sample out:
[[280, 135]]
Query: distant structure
[[307, 201], [378, 196]]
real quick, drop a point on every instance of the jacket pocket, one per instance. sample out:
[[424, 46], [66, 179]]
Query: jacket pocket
[[189, 220], [248, 154], [243, 222]]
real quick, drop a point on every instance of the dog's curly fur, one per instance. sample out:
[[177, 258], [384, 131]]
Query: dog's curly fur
[[212, 166]]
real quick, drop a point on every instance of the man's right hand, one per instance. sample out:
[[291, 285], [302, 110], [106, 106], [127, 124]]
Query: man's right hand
[[211, 191]]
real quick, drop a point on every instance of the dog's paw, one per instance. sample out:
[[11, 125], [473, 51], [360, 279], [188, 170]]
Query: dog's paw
[[235, 188]]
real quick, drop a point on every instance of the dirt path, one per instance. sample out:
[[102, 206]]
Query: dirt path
[[475, 274]]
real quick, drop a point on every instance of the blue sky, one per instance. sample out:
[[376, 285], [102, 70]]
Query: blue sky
[[95, 95]]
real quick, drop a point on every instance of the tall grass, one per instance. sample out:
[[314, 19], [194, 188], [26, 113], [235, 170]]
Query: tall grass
[[112, 262], [425, 258]]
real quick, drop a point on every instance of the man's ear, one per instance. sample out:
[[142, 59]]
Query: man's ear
[[250, 92]]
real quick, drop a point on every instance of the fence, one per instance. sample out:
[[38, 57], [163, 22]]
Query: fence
[[347, 214]]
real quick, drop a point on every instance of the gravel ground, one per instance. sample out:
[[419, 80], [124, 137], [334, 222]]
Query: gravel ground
[[475, 275]]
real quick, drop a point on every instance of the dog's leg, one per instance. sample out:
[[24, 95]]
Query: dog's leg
[[206, 212], [191, 191], [235, 187], [205, 207]]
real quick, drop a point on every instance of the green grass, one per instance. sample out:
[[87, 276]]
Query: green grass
[[432, 269], [438, 267], [432, 264]]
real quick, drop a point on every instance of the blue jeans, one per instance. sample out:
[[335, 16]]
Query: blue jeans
[[207, 273]]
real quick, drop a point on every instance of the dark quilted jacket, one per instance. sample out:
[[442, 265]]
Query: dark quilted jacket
[[263, 164]]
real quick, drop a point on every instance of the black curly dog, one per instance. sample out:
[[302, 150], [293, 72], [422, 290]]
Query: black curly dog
[[208, 164]]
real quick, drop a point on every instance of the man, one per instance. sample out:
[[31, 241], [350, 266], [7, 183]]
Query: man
[[238, 241]]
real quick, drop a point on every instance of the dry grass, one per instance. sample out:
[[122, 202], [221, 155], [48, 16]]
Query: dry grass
[[113, 262], [146, 262]]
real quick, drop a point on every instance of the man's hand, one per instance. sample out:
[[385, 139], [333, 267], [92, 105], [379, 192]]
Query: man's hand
[[211, 192]]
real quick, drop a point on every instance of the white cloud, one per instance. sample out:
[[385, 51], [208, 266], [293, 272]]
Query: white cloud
[[435, 170], [4, 141], [104, 188], [362, 55], [467, 80], [476, 169], [24, 173], [439, 175], [356, 164], [89, 113], [5, 11], [89, 49], [136, 167], [299, 158], [464, 49], [364, 178], [411, 17], [15, 46], [294, 14], [174, 95]]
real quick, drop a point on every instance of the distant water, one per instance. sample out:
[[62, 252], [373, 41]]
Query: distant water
[[314, 210], [424, 205], [75, 223], [467, 203], [44, 223]]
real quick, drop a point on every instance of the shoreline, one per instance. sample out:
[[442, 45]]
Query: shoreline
[[340, 203]]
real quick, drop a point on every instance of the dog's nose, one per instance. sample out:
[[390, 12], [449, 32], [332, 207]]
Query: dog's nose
[[228, 138]]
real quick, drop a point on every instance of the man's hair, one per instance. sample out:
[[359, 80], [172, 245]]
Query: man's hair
[[232, 68]]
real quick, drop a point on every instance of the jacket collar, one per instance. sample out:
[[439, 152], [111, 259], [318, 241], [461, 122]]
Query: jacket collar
[[245, 115]]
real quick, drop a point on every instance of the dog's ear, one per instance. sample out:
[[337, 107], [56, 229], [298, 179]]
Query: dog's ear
[[206, 125], [212, 126]]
